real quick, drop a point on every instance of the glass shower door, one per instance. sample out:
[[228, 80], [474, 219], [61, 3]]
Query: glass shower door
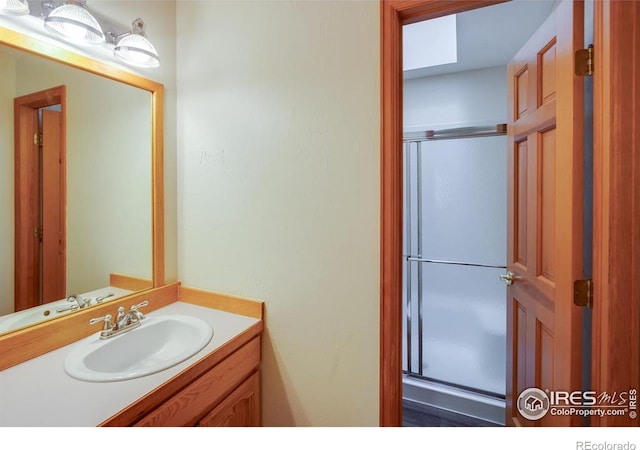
[[455, 251]]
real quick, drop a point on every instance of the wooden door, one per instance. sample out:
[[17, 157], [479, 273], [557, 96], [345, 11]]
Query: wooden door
[[545, 214], [27, 200], [53, 209], [28, 196]]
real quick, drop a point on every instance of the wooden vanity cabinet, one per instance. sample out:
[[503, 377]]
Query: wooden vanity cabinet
[[223, 389]]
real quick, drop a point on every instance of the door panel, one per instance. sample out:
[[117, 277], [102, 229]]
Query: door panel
[[27, 200], [546, 206], [545, 214], [53, 208], [520, 205]]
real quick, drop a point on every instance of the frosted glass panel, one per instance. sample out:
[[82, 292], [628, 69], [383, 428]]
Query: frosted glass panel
[[463, 200], [464, 325]]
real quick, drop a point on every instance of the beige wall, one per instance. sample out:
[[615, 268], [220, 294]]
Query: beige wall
[[278, 190], [7, 221]]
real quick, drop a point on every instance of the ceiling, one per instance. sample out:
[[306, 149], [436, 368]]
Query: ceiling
[[491, 36]]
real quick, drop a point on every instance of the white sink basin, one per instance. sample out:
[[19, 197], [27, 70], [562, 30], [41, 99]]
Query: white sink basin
[[159, 343], [32, 316]]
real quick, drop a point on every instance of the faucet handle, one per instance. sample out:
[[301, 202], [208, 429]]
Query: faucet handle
[[141, 304], [67, 308], [108, 325], [137, 315], [100, 299], [121, 317]]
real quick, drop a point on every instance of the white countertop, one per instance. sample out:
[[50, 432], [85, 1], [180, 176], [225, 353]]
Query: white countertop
[[39, 393]]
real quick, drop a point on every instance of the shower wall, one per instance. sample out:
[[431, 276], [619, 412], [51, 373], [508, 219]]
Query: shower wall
[[459, 98], [455, 232]]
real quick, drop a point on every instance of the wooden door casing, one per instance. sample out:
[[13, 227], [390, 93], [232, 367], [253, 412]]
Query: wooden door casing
[[616, 215], [393, 15], [545, 213], [616, 313]]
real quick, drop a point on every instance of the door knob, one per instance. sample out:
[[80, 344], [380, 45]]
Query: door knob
[[508, 278]]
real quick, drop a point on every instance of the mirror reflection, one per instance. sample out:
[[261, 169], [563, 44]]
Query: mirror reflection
[[75, 191]]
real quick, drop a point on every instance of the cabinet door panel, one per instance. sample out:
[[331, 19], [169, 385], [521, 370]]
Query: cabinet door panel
[[189, 405], [240, 409]]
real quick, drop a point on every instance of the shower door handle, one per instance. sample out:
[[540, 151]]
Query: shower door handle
[[508, 278]]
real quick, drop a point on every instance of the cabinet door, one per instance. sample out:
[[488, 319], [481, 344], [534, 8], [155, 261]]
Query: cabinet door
[[187, 406], [240, 409]]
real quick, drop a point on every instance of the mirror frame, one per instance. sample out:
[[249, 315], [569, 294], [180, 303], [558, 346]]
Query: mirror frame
[[22, 42]]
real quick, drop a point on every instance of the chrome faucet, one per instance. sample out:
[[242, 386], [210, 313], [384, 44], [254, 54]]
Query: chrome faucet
[[123, 322], [80, 303]]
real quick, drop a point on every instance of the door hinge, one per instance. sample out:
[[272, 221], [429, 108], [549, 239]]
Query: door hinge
[[584, 61], [583, 293], [37, 139], [38, 233]]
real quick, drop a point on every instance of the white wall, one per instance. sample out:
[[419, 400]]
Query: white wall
[[278, 190], [7, 221], [458, 98]]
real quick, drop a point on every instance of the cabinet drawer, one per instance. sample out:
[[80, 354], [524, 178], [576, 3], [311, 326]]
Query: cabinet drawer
[[189, 405]]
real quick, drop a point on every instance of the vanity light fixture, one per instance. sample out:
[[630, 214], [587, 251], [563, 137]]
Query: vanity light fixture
[[15, 7], [134, 48], [72, 21]]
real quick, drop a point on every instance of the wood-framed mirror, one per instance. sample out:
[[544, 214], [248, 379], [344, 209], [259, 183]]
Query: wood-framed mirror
[[118, 230]]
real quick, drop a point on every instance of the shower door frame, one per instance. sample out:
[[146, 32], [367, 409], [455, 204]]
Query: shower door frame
[[616, 312]]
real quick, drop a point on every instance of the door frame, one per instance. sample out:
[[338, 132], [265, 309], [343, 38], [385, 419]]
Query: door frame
[[616, 271], [26, 195], [616, 203]]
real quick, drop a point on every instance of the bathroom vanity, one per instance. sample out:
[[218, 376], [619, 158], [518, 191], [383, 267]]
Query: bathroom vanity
[[218, 386]]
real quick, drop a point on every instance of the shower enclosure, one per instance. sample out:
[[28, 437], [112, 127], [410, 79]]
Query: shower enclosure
[[454, 253]]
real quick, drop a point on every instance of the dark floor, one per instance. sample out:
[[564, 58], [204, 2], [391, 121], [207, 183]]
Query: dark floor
[[419, 415]]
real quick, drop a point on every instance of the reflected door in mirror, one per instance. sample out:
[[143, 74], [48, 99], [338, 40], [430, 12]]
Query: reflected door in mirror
[[40, 198]]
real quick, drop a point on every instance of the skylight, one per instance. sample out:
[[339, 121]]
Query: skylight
[[430, 43]]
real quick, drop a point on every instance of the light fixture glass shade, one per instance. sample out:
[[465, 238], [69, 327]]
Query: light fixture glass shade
[[15, 7], [136, 50], [72, 21]]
